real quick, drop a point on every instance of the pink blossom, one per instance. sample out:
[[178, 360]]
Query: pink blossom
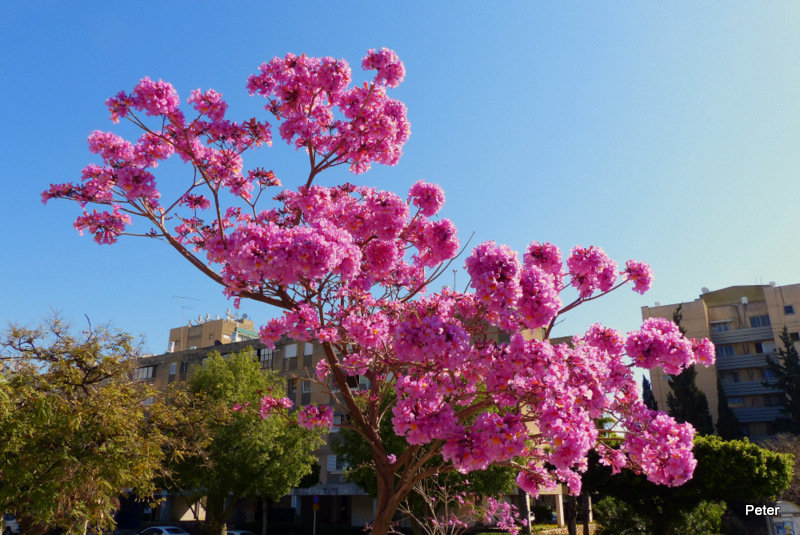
[[155, 98], [209, 103], [429, 198], [545, 256], [591, 269], [390, 69], [269, 404], [106, 226], [539, 302], [641, 275], [704, 351], [660, 343], [312, 416]]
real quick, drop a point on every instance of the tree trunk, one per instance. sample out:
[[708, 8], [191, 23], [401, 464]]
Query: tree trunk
[[264, 513], [586, 507], [526, 511], [215, 515], [571, 514]]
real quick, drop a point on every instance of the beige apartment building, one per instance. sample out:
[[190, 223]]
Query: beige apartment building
[[207, 332], [339, 502], [745, 323]]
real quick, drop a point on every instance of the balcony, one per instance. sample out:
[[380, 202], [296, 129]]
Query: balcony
[[747, 388], [758, 414], [753, 360], [754, 334]]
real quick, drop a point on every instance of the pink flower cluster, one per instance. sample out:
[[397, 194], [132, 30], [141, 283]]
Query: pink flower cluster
[[503, 514], [106, 226], [641, 275], [313, 416], [429, 198], [305, 92], [492, 439], [661, 447], [591, 270], [269, 404], [660, 343]]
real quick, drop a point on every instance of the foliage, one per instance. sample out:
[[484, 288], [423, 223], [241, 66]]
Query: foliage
[[686, 402], [245, 456], [75, 432], [648, 397], [349, 266], [616, 517], [728, 427], [787, 443], [726, 471], [786, 372], [705, 518]]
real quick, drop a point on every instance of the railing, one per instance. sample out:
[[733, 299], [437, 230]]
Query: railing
[[752, 334]]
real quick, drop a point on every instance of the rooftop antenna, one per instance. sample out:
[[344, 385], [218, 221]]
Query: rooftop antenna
[[183, 305]]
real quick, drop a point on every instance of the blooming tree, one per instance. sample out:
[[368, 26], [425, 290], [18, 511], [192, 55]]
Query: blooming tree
[[349, 266]]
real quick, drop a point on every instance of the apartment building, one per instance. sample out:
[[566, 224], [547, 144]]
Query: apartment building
[[339, 502], [207, 332], [745, 323]]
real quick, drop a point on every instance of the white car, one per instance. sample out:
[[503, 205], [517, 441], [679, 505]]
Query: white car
[[10, 524], [163, 530]]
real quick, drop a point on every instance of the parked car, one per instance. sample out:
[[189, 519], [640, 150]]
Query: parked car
[[163, 530], [10, 524]]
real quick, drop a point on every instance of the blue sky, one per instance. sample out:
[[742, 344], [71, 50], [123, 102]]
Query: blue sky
[[666, 132]]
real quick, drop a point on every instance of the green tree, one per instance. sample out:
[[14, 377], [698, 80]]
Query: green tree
[[686, 402], [787, 443], [786, 372], [727, 471], [245, 455], [728, 426], [648, 397], [75, 434]]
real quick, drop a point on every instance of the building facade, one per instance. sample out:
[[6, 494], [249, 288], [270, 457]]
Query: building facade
[[207, 332], [745, 323]]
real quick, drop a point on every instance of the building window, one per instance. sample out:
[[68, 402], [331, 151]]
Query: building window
[[720, 327], [291, 388], [173, 369], [336, 463], [736, 403], [291, 351], [765, 347], [306, 387], [729, 377], [308, 348], [767, 374], [788, 309], [759, 321], [724, 350], [143, 373], [265, 357]]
